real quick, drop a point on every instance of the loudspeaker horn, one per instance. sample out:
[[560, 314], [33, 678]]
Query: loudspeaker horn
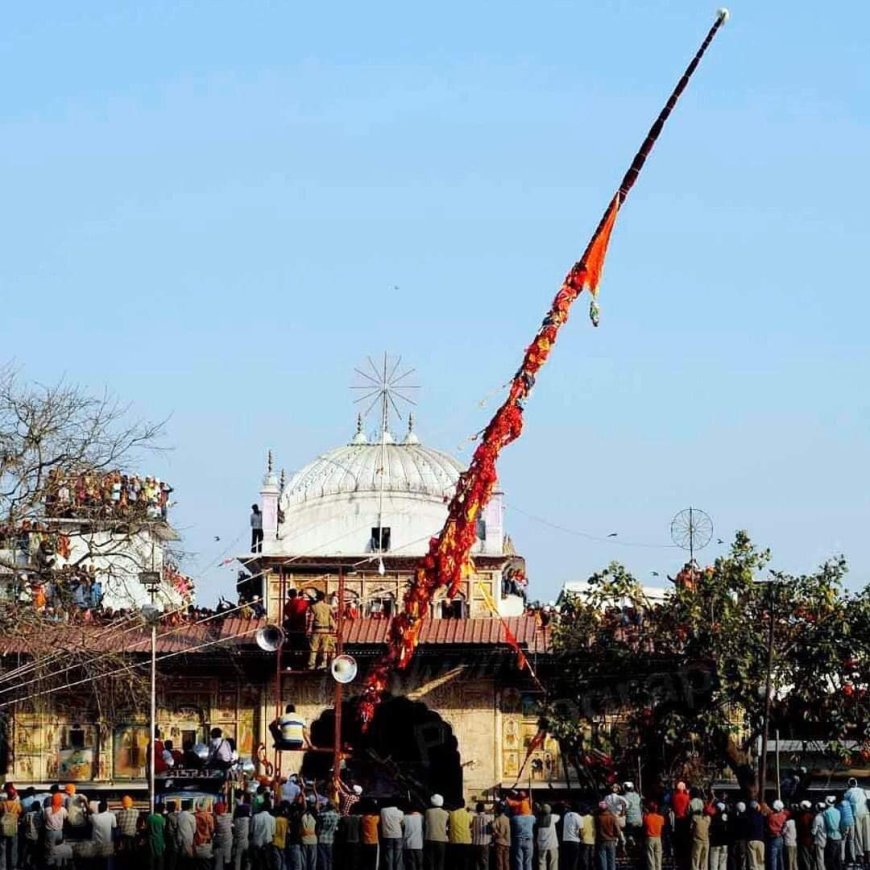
[[270, 638], [344, 669]]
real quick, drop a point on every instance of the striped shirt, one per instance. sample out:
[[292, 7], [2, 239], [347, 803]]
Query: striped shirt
[[346, 802], [127, 819], [481, 829], [327, 822]]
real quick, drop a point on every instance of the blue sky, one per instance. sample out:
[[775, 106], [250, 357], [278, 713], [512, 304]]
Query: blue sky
[[207, 207]]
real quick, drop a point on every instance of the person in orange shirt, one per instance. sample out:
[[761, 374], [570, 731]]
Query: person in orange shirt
[[369, 835], [11, 807], [518, 803], [653, 825]]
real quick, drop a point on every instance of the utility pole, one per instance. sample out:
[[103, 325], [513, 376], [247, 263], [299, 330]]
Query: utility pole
[[762, 765], [151, 581], [151, 790], [339, 687]]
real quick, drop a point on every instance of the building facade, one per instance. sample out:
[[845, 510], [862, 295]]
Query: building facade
[[352, 524]]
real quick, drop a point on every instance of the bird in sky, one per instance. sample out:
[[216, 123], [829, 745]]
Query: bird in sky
[[719, 541], [613, 534], [217, 537]]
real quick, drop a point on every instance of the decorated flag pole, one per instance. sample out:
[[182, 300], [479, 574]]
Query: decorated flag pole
[[448, 559]]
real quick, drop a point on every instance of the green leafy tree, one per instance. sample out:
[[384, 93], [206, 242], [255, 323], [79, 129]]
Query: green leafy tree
[[680, 683]]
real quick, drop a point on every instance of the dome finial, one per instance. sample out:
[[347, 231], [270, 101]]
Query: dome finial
[[283, 481], [411, 437], [360, 437], [269, 462]]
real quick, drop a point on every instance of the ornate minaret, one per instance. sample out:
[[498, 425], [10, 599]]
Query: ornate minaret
[[269, 494]]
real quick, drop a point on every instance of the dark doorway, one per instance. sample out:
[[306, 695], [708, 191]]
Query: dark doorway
[[409, 750]]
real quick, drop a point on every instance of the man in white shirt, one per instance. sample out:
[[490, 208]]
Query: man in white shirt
[[220, 752], [616, 803], [412, 827], [256, 529], [857, 797], [572, 825], [548, 841], [290, 789], [481, 835], [392, 837], [262, 828], [103, 823], [820, 837], [185, 830]]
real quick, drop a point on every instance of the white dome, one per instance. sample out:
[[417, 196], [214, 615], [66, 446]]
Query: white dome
[[335, 504], [356, 468]]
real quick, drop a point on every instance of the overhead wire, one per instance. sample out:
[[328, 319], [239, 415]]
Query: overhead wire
[[126, 668], [173, 630], [604, 539]]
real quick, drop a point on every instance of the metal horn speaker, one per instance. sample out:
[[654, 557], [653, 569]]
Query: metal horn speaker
[[344, 669], [270, 638]]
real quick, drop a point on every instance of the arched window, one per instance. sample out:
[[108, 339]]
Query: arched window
[[451, 608], [381, 605], [352, 608]]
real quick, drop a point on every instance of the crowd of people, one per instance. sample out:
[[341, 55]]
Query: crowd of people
[[685, 829], [107, 495], [288, 824]]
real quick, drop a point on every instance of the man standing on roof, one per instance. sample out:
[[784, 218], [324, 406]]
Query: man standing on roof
[[322, 634], [256, 529]]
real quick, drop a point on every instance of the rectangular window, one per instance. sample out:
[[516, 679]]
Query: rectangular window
[[481, 530], [380, 542], [130, 745]]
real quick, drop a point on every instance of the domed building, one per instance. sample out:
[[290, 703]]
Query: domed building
[[352, 524], [369, 508]]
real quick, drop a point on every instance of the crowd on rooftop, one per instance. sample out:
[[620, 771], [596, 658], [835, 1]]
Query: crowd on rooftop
[[107, 495]]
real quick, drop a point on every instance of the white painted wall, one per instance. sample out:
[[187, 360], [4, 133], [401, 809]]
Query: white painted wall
[[117, 558], [341, 524]]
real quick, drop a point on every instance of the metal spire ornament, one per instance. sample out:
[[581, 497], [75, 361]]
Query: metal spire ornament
[[385, 386]]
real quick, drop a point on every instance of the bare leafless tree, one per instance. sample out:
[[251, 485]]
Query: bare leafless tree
[[49, 433], [60, 427]]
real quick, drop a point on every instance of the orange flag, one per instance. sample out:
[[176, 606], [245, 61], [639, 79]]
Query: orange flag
[[598, 248]]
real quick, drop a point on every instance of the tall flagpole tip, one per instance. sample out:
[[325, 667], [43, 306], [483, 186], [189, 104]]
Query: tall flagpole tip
[[723, 14]]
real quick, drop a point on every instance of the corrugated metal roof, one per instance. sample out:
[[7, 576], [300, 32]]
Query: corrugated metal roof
[[458, 632], [241, 632]]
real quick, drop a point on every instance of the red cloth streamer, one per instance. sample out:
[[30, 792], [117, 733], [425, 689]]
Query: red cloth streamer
[[449, 552], [513, 643], [534, 744]]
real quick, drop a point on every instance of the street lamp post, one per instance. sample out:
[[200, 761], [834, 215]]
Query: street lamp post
[[339, 687], [151, 581]]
